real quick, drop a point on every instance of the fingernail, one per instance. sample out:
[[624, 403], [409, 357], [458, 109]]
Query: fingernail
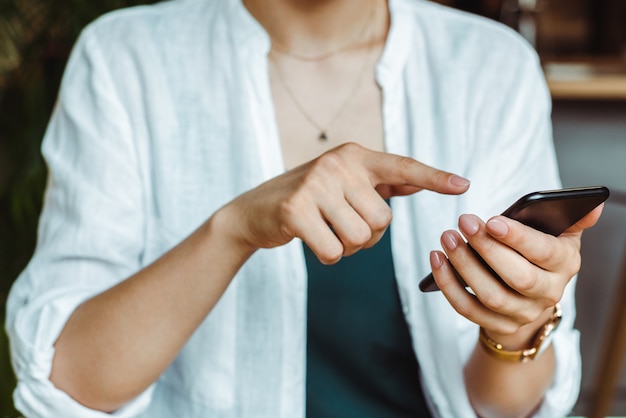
[[436, 260], [449, 241], [469, 224], [459, 181], [497, 228]]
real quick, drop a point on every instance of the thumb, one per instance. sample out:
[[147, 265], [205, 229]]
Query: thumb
[[587, 221]]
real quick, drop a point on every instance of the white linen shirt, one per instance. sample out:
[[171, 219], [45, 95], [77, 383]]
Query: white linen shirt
[[165, 114]]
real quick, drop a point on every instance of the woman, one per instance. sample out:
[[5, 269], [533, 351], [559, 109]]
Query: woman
[[194, 140]]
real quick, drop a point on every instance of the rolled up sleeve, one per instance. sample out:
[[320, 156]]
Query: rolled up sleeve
[[91, 231]]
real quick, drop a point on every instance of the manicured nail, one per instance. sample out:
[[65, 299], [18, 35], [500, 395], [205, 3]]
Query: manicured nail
[[469, 224], [459, 181], [497, 228], [436, 259], [449, 240]]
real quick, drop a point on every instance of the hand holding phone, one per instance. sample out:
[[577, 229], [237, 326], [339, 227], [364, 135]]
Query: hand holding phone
[[551, 212]]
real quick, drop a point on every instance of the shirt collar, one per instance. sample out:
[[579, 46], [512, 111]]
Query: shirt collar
[[253, 39], [247, 33], [396, 50]]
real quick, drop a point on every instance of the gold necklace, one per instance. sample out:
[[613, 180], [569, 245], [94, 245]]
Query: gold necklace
[[283, 50], [323, 135]]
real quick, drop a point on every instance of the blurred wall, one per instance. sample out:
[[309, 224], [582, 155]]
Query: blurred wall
[[590, 139]]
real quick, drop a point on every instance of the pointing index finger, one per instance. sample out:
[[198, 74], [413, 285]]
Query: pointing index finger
[[396, 170]]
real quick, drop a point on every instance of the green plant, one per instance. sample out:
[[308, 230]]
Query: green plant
[[35, 41]]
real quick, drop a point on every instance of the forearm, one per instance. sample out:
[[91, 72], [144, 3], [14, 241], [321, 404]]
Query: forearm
[[119, 342], [136, 329], [499, 388]]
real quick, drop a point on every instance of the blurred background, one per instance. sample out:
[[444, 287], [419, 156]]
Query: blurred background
[[582, 45]]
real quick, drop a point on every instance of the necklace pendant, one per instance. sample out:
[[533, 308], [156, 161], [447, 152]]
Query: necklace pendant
[[323, 136]]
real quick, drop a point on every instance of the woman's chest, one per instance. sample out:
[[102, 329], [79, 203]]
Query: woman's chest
[[318, 107]]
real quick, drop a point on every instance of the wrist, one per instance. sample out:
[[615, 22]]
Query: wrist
[[224, 226], [516, 351], [524, 335]]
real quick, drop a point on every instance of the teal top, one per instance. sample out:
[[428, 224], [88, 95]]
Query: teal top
[[360, 362]]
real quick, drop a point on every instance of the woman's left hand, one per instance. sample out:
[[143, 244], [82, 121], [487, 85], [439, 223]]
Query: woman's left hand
[[535, 268]]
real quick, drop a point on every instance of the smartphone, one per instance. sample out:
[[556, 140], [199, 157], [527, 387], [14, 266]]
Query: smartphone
[[550, 211]]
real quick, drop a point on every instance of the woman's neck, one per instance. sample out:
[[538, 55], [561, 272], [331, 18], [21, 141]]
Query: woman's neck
[[316, 27]]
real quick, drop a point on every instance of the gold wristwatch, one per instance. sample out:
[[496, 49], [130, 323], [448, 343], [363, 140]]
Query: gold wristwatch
[[541, 341]]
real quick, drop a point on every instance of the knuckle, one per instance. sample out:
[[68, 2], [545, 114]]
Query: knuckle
[[507, 328], [359, 236], [514, 237], [343, 153], [328, 258], [376, 236], [329, 161], [527, 316], [405, 165], [495, 300], [547, 254], [553, 297], [381, 219], [331, 253], [335, 159], [526, 282], [349, 147]]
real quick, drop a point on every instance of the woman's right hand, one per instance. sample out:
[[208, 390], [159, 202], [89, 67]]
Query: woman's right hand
[[334, 203]]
